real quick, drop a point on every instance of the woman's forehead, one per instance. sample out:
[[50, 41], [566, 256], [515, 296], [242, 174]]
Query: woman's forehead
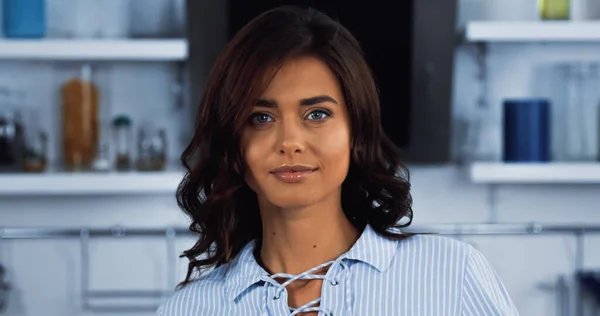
[[300, 78]]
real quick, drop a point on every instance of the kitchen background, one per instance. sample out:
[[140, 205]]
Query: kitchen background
[[97, 266]]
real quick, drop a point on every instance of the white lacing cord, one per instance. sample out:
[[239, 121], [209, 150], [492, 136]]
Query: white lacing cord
[[309, 308], [306, 275]]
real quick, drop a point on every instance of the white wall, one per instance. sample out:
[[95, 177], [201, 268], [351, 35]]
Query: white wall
[[45, 274]]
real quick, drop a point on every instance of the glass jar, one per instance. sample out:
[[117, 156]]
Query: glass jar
[[80, 121], [122, 141], [576, 119], [11, 141], [35, 153], [585, 9], [152, 148], [12, 137], [102, 161], [36, 147]]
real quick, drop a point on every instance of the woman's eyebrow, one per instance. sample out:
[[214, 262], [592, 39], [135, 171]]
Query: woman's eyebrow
[[317, 99], [303, 102]]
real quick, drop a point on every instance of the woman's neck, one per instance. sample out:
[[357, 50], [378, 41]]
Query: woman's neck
[[300, 239]]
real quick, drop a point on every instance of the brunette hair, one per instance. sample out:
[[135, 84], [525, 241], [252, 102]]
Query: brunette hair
[[223, 209]]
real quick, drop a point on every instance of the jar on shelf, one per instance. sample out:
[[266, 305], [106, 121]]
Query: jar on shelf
[[36, 146], [35, 156], [122, 142], [152, 148], [80, 121], [12, 137]]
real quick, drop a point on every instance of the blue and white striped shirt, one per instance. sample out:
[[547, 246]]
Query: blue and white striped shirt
[[422, 275]]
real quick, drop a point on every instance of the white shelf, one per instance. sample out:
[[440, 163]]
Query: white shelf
[[531, 31], [110, 183], [536, 173], [114, 50]]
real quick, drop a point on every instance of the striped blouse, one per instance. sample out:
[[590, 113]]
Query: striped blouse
[[421, 275]]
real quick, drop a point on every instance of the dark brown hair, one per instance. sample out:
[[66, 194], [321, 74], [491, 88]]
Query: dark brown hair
[[223, 209]]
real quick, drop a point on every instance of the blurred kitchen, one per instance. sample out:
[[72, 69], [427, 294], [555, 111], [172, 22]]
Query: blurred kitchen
[[496, 102]]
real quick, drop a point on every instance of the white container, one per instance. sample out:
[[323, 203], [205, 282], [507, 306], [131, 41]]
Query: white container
[[114, 19], [574, 122], [86, 19], [585, 10]]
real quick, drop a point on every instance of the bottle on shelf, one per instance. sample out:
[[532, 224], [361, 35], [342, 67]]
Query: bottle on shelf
[[80, 121], [102, 161], [122, 140]]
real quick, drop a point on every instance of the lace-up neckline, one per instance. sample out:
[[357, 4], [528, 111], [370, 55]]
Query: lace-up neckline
[[312, 306], [246, 272]]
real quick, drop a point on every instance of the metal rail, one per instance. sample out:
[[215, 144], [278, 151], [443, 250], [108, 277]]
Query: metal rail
[[442, 229]]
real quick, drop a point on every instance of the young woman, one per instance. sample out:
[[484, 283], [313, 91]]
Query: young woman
[[297, 194]]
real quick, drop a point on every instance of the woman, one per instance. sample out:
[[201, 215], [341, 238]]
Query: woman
[[296, 192]]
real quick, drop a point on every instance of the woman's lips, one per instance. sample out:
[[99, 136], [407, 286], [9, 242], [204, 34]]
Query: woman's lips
[[293, 176]]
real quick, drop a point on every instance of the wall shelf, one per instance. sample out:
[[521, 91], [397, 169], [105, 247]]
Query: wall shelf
[[101, 49], [90, 183], [536, 173], [531, 31]]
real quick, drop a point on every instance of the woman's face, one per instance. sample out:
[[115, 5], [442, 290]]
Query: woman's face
[[296, 143]]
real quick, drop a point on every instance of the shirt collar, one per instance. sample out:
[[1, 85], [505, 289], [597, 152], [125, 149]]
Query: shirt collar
[[373, 249], [370, 248], [243, 272]]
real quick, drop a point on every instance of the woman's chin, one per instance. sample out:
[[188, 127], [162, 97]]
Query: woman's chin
[[292, 201]]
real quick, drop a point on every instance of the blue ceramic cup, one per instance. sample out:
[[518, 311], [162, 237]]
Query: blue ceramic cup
[[526, 130], [24, 18]]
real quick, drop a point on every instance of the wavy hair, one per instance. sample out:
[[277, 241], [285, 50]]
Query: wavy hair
[[223, 209]]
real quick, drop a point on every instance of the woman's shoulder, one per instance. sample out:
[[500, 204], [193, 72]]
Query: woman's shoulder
[[435, 245], [438, 253], [187, 300], [466, 270]]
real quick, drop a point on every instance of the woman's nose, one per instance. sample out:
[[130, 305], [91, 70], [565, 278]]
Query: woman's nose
[[291, 140]]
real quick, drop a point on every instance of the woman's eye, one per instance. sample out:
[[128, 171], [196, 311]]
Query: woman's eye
[[318, 115], [261, 118]]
